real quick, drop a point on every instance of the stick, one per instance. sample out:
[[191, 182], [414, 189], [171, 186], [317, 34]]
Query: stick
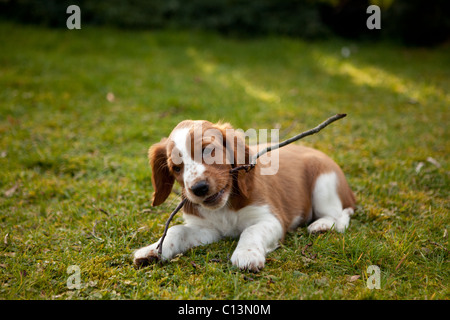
[[159, 247], [104, 211], [304, 250], [248, 167]]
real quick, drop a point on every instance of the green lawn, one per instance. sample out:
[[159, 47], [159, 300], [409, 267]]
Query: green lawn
[[79, 109]]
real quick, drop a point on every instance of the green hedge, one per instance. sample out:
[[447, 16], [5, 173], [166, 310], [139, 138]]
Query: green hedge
[[412, 21], [296, 17]]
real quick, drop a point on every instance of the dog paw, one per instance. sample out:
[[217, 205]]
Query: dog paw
[[248, 259], [142, 262], [348, 211], [145, 256], [320, 225]]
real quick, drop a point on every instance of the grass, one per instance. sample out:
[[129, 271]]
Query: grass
[[79, 109]]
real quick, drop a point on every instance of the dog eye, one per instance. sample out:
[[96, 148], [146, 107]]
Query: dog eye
[[176, 169]]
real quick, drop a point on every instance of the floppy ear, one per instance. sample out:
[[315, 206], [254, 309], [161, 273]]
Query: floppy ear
[[162, 180]]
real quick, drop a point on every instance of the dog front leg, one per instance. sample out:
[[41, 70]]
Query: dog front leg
[[179, 239], [255, 242]]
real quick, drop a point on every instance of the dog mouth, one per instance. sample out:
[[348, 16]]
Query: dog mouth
[[215, 198]]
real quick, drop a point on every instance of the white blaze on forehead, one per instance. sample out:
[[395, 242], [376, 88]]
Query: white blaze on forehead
[[193, 170]]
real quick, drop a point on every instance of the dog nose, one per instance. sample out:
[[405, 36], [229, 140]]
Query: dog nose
[[200, 188]]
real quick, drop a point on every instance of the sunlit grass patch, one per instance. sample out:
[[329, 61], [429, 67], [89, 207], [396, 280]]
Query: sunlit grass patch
[[78, 111]]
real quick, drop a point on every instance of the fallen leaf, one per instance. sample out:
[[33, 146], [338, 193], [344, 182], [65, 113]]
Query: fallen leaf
[[8, 193], [419, 166], [433, 161], [110, 97], [9, 254], [354, 278]]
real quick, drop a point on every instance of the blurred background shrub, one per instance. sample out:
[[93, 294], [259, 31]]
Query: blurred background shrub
[[412, 22]]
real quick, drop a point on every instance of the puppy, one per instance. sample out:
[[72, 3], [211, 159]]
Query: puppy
[[259, 207]]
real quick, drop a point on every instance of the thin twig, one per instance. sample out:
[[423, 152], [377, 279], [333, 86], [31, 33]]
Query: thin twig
[[104, 211], [159, 247], [311, 256], [439, 245], [300, 136], [306, 247], [401, 261], [251, 165], [246, 167], [93, 233]]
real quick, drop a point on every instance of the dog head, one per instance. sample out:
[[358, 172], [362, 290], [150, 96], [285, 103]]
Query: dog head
[[199, 156]]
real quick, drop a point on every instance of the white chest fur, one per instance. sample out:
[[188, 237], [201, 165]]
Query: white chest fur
[[231, 223]]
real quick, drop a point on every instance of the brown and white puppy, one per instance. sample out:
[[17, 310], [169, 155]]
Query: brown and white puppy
[[307, 188]]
